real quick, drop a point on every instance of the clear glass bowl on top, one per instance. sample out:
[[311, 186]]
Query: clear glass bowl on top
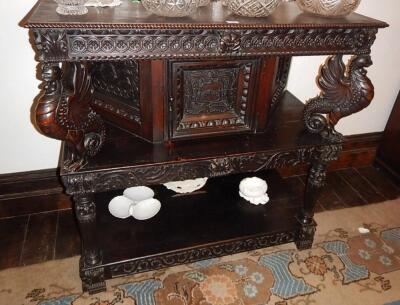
[[204, 2], [253, 8], [171, 8], [328, 8], [71, 7]]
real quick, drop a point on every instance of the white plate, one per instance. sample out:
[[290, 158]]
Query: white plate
[[186, 186], [138, 193], [120, 207], [145, 209]]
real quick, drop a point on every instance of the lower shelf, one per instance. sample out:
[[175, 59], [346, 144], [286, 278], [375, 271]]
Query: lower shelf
[[211, 222]]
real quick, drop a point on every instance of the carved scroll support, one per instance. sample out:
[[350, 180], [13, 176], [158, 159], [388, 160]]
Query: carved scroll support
[[344, 90], [315, 182], [91, 274], [63, 111]]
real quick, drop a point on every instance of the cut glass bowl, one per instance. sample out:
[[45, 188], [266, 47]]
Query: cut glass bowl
[[253, 8], [71, 7], [328, 8], [171, 8]]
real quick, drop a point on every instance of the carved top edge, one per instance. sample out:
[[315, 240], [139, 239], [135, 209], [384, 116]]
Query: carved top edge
[[199, 26]]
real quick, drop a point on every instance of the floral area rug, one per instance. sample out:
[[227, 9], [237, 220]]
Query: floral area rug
[[343, 267]]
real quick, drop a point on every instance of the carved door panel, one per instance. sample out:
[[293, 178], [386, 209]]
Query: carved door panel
[[117, 92], [214, 97]]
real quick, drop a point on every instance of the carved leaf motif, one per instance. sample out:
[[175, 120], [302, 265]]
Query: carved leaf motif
[[333, 82]]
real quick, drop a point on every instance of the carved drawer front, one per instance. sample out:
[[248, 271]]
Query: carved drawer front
[[210, 98]]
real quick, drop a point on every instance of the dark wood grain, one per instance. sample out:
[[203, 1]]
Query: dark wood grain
[[361, 185], [68, 242], [34, 204], [40, 238], [380, 182], [348, 195], [28, 184], [12, 236]]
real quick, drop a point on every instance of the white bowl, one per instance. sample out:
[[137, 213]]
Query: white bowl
[[145, 209], [138, 193], [186, 186], [263, 199], [253, 187], [120, 207]]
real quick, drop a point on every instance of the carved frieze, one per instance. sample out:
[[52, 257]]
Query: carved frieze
[[201, 253], [60, 45], [76, 183]]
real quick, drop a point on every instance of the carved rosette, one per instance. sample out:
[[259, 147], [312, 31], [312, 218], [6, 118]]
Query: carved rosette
[[63, 111], [344, 91]]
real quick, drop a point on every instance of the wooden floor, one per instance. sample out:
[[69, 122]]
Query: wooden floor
[[35, 238]]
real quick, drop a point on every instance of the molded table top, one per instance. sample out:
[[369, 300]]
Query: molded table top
[[133, 15]]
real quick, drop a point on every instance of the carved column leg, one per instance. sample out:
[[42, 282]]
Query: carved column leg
[[315, 182], [63, 111], [91, 272]]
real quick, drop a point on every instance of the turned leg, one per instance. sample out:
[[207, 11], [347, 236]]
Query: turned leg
[[63, 111], [91, 274], [315, 182]]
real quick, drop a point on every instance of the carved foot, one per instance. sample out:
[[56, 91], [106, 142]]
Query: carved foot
[[305, 237], [92, 279], [64, 112], [344, 91]]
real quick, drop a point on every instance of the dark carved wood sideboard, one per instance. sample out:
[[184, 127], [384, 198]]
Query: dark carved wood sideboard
[[142, 100]]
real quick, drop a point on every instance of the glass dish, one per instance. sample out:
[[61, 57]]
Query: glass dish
[[253, 8], [204, 2], [171, 8], [71, 7], [328, 8]]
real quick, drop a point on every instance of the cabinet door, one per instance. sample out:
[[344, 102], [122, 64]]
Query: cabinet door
[[213, 97]]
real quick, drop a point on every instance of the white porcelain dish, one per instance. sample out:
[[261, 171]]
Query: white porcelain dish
[[138, 193], [120, 207], [186, 186], [145, 209], [253, 187], [263, 199]]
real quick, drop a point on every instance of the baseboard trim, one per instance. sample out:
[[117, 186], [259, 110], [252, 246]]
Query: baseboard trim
[[17, 188], [30, 184]]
